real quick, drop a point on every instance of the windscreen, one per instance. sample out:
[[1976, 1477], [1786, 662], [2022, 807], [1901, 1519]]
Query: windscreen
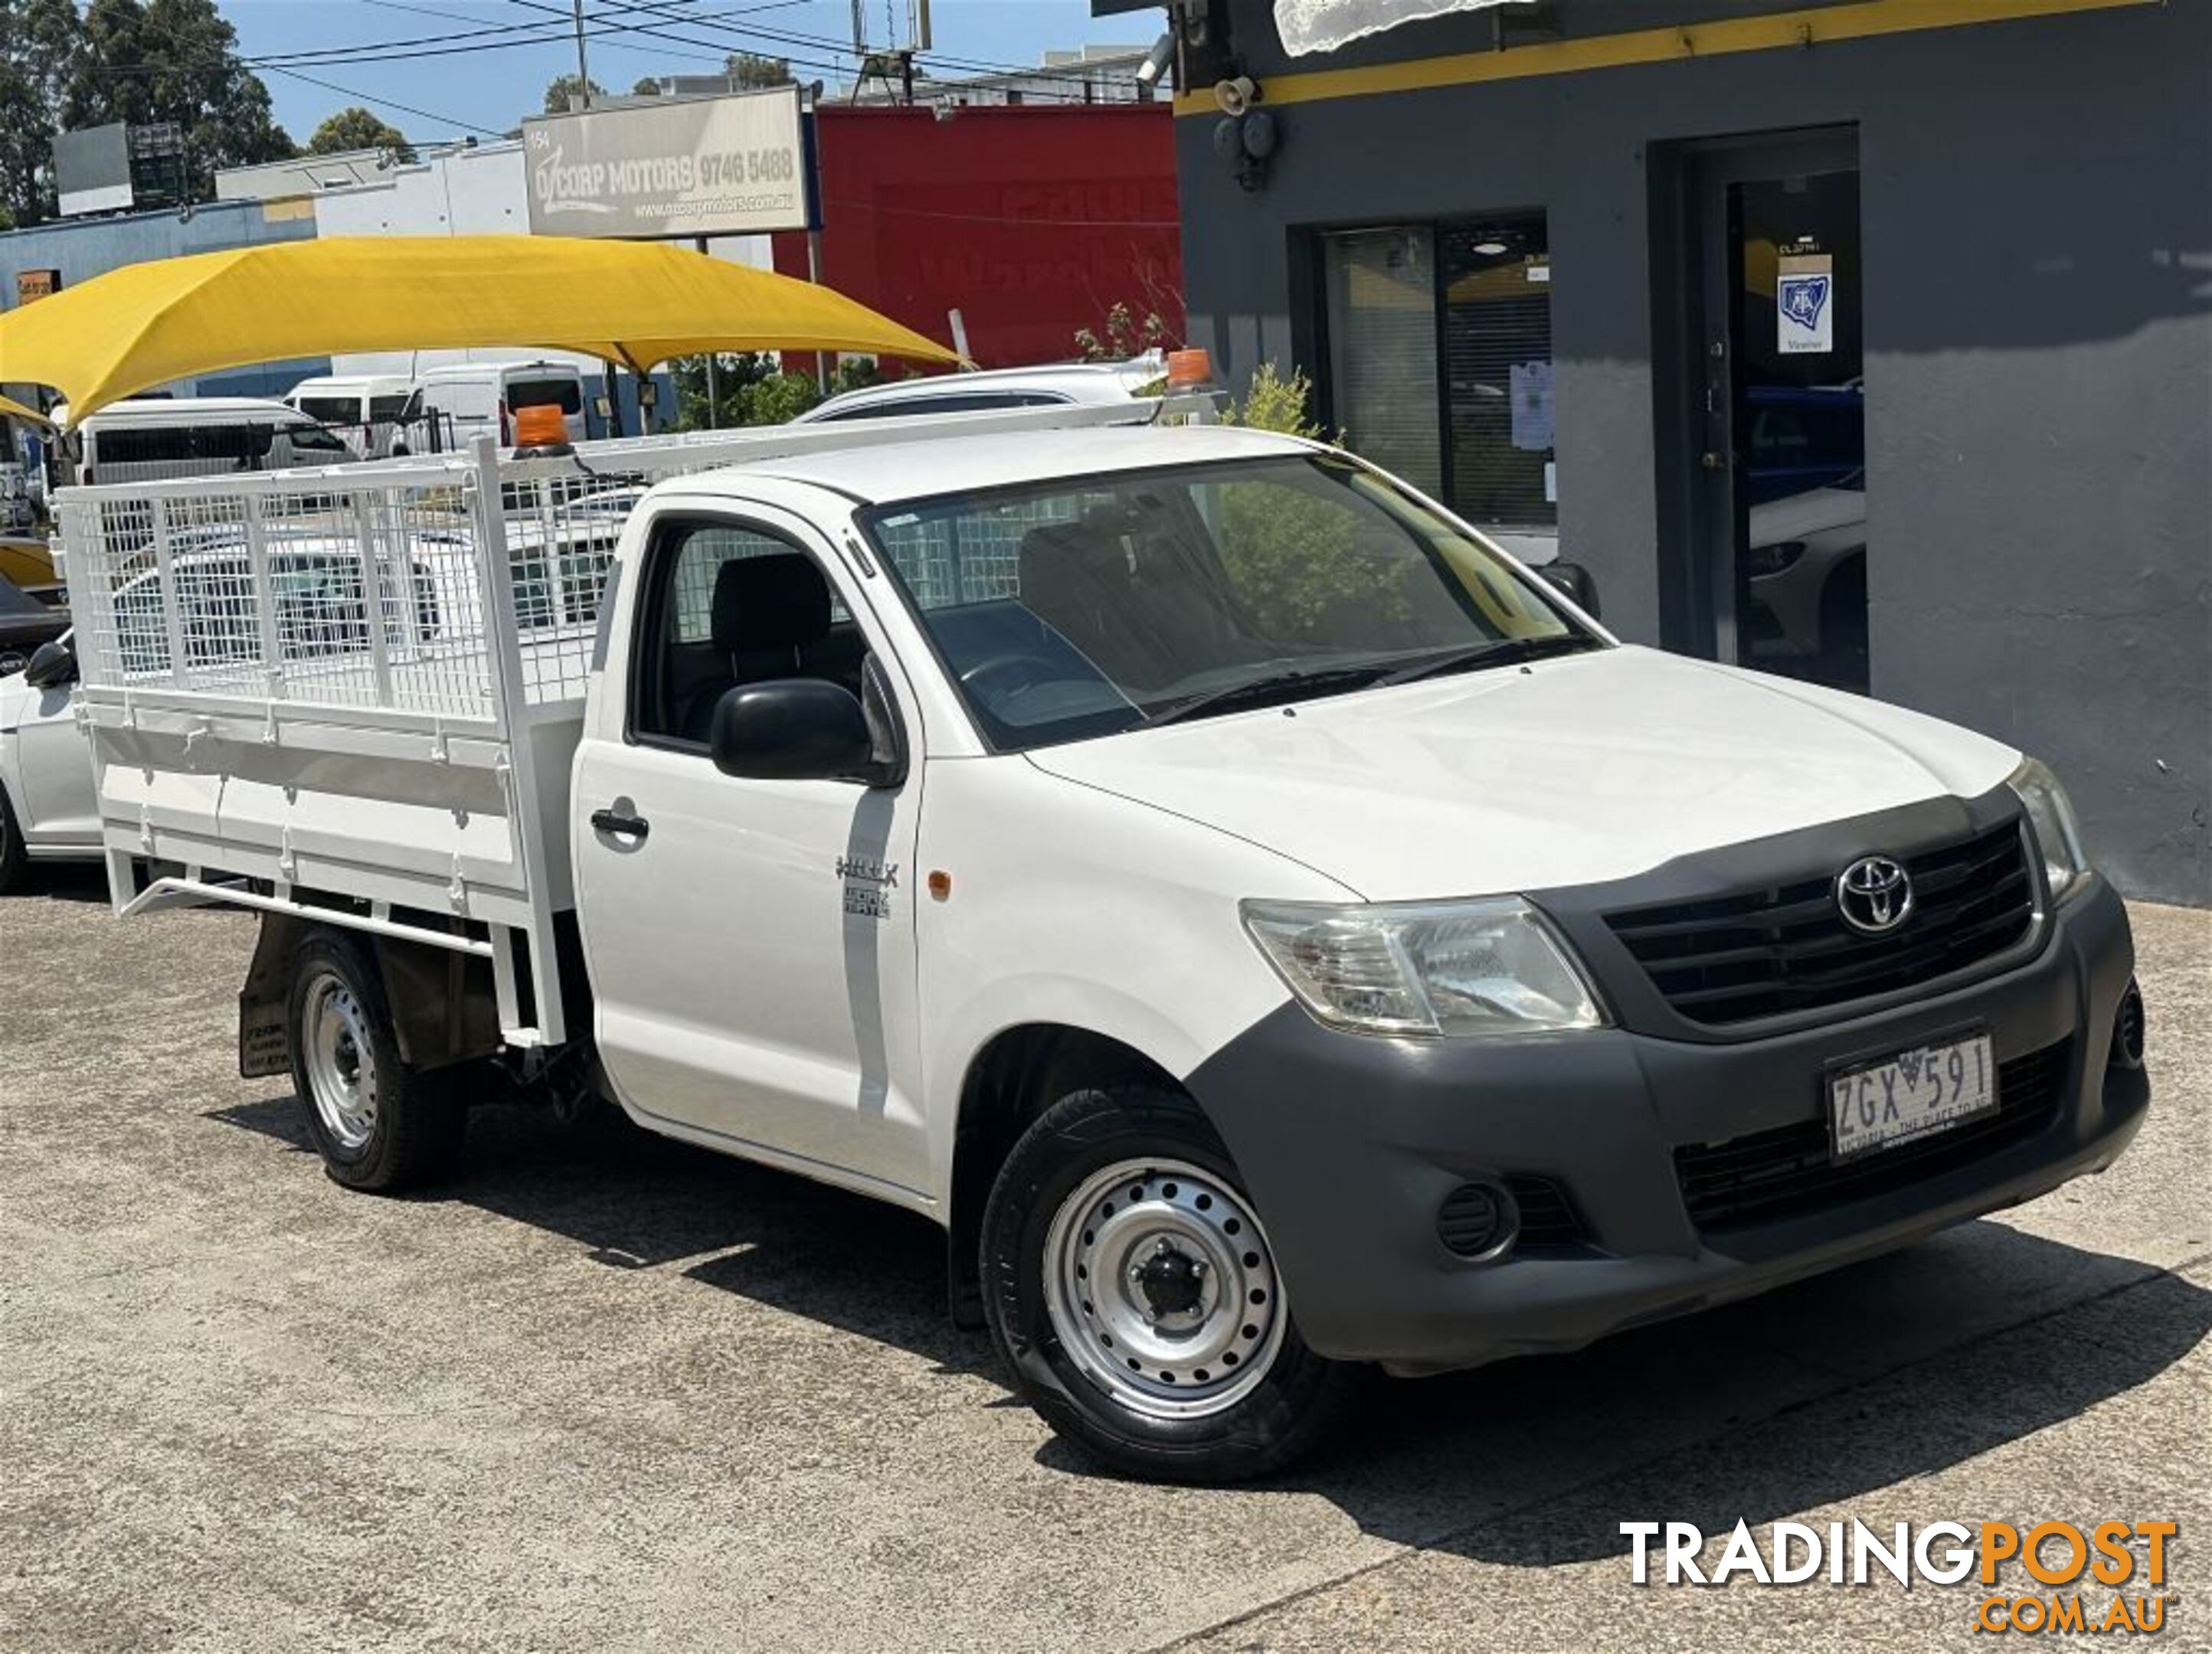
[[1088, 605], [330, 410]]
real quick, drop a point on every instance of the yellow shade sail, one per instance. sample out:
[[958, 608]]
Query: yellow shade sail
[[12, 409], [636, 303]]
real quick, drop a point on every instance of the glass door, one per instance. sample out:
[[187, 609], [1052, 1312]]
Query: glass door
[[1785, 461]]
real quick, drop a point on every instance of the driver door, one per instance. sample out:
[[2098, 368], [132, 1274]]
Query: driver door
[[751, 942]]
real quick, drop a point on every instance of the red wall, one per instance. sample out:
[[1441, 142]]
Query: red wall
[[1033, 221]]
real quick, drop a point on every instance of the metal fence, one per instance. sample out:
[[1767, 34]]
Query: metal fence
[[436, 588]]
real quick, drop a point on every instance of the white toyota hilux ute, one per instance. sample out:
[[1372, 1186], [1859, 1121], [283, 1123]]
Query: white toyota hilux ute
[[1275, 933]]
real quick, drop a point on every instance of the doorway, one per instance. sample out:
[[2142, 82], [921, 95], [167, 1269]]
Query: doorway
[[1774, 434]]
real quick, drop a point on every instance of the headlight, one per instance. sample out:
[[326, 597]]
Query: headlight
[[2057, 834], [1486, 967]]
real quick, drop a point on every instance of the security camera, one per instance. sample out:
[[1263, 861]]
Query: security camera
[[1236, 94]]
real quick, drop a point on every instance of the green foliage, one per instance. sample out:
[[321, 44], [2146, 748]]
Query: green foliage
[[139, 61], [1272, 403], [357, 129], [562, 87], [751, 69], [780, 398], [1123, 336], [1296, 553], [647, 86], [754, 390]]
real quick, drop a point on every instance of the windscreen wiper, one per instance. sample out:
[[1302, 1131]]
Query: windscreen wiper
[[1498, 651], [1275, 685]]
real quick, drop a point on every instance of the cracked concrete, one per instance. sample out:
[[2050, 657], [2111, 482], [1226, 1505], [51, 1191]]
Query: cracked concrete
[[608, 1393]]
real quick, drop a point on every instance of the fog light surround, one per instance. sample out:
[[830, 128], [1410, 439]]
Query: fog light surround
[[2128, 1030], [1478, 1221]]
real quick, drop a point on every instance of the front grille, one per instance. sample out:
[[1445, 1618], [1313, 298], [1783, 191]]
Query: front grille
[[1786, 1173], [1785, 948]]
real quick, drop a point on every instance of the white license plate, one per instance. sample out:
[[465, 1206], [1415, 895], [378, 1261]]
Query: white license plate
[[1912, 1094]]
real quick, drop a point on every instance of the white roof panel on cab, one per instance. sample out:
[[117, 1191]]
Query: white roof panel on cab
[[954, 465]]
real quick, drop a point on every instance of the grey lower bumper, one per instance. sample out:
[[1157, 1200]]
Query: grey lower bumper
[[1350, 1145]]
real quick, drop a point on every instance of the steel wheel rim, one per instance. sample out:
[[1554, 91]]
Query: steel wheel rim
[[1162, 1338], [340, 1061]]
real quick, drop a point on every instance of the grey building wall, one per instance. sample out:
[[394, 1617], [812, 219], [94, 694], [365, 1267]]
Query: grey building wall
[[83, 248], [2037, 220]]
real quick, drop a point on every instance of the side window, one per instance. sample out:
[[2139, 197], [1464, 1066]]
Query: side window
[[703, 630], [975, 402]]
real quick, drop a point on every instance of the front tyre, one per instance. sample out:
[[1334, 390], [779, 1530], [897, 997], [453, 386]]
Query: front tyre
[[1130, 1288], [378, 1124]]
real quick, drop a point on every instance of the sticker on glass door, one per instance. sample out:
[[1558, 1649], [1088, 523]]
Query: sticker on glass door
[[1805, 305]]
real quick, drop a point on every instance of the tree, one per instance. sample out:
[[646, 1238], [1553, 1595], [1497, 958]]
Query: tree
[[38, 47], [647, 86], [150, 61], [564, 87], [749, 70], [357, 129]]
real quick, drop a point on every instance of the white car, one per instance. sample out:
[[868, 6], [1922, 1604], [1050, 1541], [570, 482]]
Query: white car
[[1270, 930], [47, 809], [1061, 384], [1806, 582]]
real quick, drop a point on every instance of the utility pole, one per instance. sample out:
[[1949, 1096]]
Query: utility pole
[[583, 70]]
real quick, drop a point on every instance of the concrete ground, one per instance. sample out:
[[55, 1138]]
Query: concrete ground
[[607, 1394]]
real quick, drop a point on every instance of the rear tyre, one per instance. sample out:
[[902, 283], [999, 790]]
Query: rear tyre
[[378, 1124], [14, 857], [1131, 1289]]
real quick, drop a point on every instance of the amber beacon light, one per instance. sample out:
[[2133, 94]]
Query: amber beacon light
[[540, 432], [1189, 370]]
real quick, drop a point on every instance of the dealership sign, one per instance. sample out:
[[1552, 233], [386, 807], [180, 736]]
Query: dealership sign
[[731, 165]]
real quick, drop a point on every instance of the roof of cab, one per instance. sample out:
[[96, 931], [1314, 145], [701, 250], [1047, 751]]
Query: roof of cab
[[880, 473]]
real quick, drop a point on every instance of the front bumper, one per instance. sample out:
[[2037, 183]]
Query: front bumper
[[1350, 1145]]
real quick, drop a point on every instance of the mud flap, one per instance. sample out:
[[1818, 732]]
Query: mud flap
[[263, 1047]]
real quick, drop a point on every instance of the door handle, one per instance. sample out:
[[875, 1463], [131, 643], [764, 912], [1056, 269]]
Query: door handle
[[627, 827]]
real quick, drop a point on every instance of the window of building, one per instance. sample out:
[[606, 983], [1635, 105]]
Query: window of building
[[1439, 361]]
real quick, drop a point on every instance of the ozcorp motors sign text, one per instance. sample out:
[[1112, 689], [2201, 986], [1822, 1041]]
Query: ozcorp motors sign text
[[732, 165]]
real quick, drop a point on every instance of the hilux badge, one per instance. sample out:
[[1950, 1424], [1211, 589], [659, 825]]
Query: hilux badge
[[1873, 894]]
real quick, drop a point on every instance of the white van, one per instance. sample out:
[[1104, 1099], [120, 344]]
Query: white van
[[150, 439], [370, 412], [471, 399]]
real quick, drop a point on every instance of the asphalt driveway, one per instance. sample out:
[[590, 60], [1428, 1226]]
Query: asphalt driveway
[[607, 1393]]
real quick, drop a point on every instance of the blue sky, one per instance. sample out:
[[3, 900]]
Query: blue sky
[[491, 89]]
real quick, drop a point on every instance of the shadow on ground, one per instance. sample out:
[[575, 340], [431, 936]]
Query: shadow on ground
[[1757, 1410], [69, 882]]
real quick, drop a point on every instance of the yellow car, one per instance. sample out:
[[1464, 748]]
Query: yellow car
[[26, 562]]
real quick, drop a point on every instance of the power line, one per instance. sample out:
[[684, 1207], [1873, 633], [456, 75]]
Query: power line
[[387, 103], [749, 34], [832, 66], [431, 45]]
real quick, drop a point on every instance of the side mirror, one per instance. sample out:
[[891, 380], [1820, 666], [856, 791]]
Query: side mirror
[[791, 730], [1577, 582], [51, 665]]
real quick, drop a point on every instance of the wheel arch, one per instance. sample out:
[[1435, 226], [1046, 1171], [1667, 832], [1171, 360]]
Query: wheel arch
[[1011, 1079], [444, 1009]]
